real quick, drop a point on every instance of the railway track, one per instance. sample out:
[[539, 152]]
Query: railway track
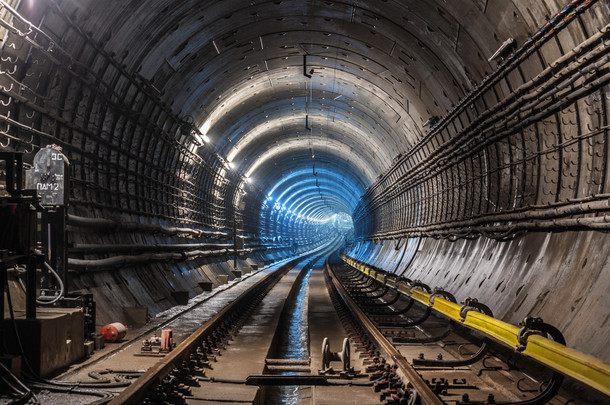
[[265, 347], [459, 353], [396, 351], [170, 379]]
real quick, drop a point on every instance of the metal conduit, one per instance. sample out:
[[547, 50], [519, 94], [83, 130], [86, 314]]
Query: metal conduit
[[125, 260], [445, 158], [498, 115], [115, 225]]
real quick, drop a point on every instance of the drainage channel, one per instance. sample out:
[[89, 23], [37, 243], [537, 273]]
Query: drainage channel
[[289, 352]]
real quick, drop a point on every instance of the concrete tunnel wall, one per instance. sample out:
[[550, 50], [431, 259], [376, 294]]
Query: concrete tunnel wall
[[562, 277], [126, 91]]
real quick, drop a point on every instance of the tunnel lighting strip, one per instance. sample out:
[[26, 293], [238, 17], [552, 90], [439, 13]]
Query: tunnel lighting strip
[[580, 366]]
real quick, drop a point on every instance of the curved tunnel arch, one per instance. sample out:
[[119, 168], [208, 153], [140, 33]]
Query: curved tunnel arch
[[299, 176], [513, 144], [348, 192], [301, 148], [339, 124]]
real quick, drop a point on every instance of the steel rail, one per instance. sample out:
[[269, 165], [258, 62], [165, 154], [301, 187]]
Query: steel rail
[[403, 367], [571, 362], [136, 392]]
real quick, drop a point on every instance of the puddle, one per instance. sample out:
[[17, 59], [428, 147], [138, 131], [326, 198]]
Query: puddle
[[293, 339]]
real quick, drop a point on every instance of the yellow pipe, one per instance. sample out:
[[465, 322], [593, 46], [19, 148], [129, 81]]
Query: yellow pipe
[[580, 366]]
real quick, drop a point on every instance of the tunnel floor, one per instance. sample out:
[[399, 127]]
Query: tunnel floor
[[244, 355], [183, 320], [282, 334]]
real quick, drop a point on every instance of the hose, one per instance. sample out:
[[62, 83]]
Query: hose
[[329, 382], [123, 260], [26, 394], [42, 300], [105, 395], [114, 226]]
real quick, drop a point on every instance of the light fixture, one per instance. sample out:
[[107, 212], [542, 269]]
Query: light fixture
[[504, 49], [432, 121], [205, 127], [200, 139]]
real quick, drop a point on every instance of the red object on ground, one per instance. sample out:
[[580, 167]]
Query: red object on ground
[[167, 340], [114, 332]]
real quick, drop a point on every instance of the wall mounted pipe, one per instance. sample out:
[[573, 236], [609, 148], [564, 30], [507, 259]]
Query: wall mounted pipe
[[94, 82], [387, 193], [101, 248], [113, 225], [452, 229], [591, 204], [446, 156], [489, 81], [126, 260]]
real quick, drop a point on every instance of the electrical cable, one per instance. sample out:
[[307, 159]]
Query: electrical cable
[[329, 382], [105, 395], [19, 344], [42, 300]]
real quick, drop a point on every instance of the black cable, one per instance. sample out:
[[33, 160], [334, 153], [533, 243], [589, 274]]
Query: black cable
[[14, 323], [26, 395], [330, 382], [220, 380], [106, 395]]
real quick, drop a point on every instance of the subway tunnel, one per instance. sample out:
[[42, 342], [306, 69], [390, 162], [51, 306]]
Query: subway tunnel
[[462, 143]]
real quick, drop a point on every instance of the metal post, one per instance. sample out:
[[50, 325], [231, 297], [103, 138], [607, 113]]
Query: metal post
[[3, 283], [54, 240], [234, 244], [30, 287]]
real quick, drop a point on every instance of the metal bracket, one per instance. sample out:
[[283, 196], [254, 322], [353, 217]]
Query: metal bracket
[[440, 292], [536, 326], [472, 304], [328, 356], [417, 284]]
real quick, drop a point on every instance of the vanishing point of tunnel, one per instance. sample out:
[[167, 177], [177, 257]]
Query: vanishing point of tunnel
[[152, 151]]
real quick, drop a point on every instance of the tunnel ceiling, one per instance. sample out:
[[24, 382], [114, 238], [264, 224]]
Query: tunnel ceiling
[[378, 71], [199, 109]]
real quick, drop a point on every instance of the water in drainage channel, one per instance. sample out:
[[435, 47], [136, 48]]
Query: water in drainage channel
[[289, 352]]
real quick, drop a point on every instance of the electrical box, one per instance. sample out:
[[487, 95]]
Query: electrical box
[[48, 176], [239, 243]]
